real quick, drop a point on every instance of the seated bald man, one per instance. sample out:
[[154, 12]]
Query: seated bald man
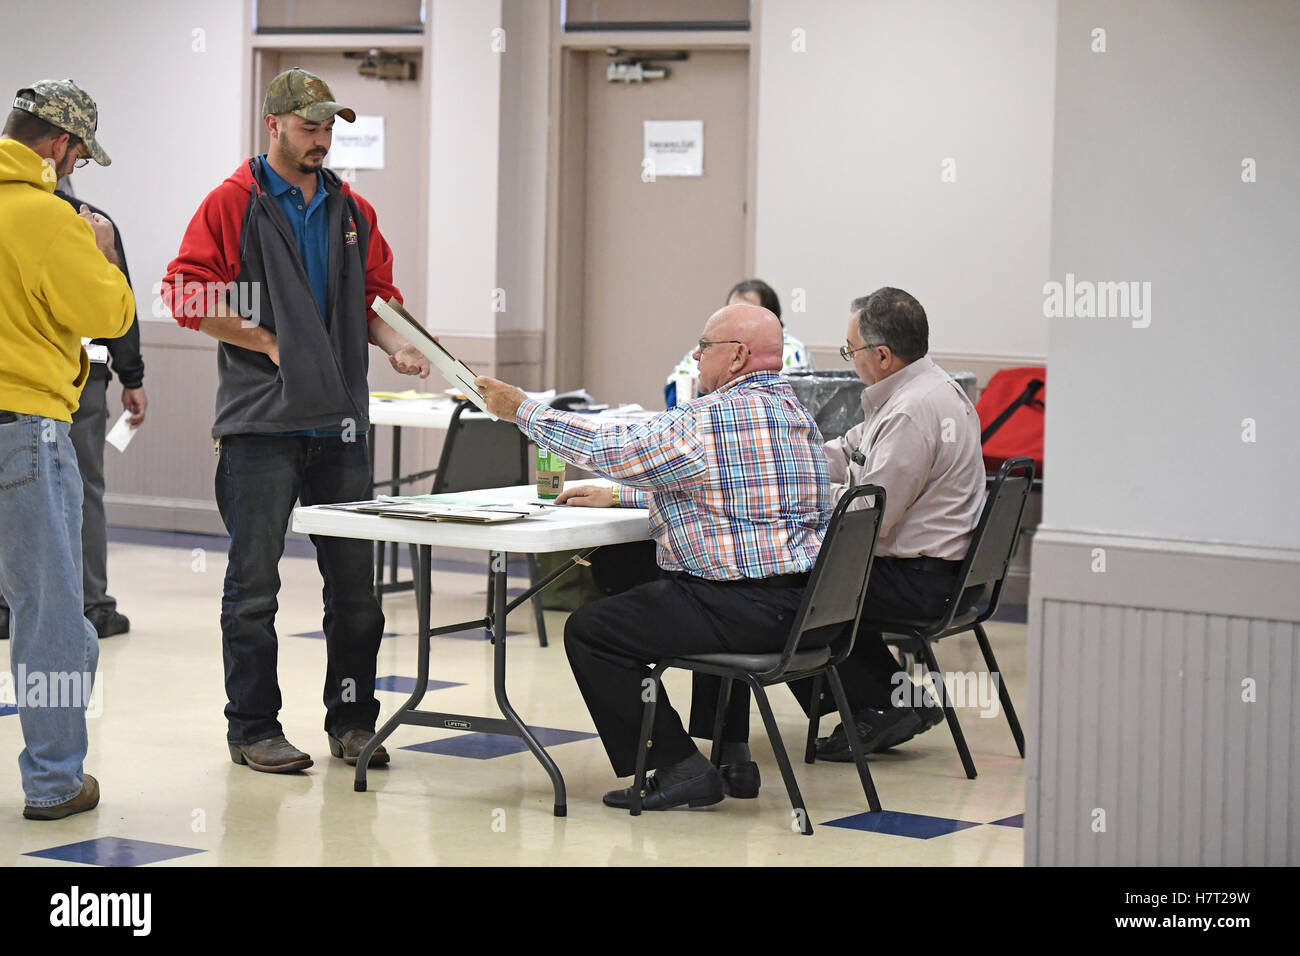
[[739, 497]]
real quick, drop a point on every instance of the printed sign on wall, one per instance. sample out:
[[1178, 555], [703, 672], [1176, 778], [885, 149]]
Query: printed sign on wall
[[674, 147], [358, 145]]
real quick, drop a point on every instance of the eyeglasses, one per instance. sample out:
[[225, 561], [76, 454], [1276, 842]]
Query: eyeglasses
[[83, 158], [846, 353], [703, 344]]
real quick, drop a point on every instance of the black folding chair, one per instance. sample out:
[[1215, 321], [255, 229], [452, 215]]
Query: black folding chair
[[836, 590], [976, 589], [478, 453]]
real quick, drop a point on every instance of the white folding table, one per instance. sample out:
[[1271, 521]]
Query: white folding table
[[559, 528]]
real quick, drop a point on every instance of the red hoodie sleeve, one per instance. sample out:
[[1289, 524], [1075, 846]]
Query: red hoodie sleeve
[[209, 253], [379, 262]]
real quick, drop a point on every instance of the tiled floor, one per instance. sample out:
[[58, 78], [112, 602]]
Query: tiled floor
[[171, 796]]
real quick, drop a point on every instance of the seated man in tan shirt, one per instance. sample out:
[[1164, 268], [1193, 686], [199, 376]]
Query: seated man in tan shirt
[[920, 441]]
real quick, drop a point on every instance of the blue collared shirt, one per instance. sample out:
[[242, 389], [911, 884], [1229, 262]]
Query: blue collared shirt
[[310, 227]]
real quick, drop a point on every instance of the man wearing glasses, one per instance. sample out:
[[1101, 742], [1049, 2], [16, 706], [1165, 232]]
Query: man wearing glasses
[[920, 441], [59, 283], [736, 483]]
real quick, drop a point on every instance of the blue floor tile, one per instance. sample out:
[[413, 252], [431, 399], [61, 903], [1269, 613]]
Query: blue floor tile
[[7, 709], [406, 685], [1012, 613], [320, 635], [893, 822], [1017, 821], [476, 634], [114, 851], [486, 746]]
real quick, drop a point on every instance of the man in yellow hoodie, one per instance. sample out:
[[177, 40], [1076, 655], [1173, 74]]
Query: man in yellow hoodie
[[58, 284]]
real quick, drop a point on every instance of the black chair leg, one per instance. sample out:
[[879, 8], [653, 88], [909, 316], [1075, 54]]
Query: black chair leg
[[855, 748], [645, 743], [719, 719], [782, 758], [538, 617], [814, 720], [948, 712], [1004, 695]]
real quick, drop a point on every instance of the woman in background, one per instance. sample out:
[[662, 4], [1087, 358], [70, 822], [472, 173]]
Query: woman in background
[[681, 380]]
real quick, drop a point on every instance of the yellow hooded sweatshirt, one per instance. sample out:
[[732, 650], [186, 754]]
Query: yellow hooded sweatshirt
[[56, 287]]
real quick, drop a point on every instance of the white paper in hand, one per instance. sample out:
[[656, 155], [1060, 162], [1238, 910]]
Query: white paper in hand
[[120, 435], [456, 372]]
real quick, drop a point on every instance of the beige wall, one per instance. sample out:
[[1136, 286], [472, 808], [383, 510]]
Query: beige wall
[[852, 133], [167, 78]]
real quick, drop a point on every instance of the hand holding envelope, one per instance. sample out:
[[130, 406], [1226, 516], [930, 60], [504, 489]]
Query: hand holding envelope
[[456, 372]]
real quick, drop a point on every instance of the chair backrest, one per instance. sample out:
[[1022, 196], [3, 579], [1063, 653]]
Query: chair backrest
[[480, 453], [994, 539], [837, 586]]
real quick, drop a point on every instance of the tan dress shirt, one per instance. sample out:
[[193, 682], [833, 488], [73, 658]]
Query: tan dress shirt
[[920, 441]]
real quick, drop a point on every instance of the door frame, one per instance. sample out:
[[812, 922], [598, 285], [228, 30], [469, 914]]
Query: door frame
[[566, 173]]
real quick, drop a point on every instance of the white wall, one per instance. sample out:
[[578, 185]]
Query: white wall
[[169, 114], [521, 242], [464, 133], [851, 137], [1144, 425]]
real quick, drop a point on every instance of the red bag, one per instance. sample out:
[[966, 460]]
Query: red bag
[[1011, 416]]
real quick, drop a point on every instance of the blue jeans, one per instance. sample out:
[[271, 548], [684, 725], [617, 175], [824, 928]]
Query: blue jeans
[[53, 649], [259, 480]]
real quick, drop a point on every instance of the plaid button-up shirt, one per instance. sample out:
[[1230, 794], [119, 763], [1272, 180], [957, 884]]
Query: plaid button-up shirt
[[736, 481]]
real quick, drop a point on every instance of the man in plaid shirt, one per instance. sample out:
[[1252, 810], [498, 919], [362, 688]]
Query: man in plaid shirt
[[739, 498]]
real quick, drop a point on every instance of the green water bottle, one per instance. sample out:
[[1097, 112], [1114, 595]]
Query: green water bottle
[[550, 474]]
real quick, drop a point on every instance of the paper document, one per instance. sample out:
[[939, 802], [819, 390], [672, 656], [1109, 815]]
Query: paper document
[[456, 372], [427, 508], [120, 435]]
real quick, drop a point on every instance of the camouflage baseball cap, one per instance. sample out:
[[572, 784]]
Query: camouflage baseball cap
[[68, 107], [305, 94]]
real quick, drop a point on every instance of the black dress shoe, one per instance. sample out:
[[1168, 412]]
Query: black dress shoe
[[107, 623], [877, 730], [663, 791], [741, 780]]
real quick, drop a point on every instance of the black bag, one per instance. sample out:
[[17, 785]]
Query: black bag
[[615, 568]]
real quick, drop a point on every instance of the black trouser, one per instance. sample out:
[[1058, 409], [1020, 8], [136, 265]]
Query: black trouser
[[259, 479], [611, 642], [895, 590]]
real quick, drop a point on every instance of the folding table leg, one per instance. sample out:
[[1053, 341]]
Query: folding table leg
[[422, 585], [499, 561]]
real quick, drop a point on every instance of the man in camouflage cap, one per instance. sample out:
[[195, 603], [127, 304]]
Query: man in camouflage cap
[[58, 283], [303, 94], [63, 104], [292, 407]]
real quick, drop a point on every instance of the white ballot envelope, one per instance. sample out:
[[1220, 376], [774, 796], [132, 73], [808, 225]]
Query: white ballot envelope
[[120, 435], [456, 372]]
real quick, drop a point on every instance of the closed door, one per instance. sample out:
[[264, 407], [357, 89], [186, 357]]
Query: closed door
[[659, 256]]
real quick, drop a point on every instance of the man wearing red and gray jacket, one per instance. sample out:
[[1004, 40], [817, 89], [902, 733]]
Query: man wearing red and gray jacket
[[279, 264]]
